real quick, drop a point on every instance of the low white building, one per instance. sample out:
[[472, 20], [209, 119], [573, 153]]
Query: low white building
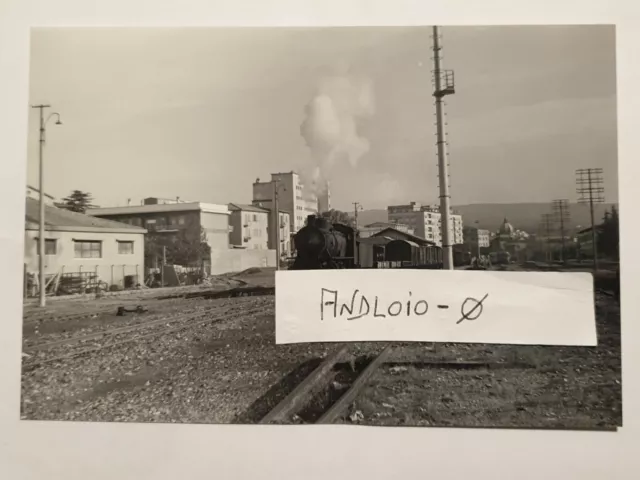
[[82, 246]]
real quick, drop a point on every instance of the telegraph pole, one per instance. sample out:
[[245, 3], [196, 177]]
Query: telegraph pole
[[589, 181], [546, 223], [164, 262], [444, 85], [356, 207], [41, 240], [276, 210], [478, 239], [561, 210]]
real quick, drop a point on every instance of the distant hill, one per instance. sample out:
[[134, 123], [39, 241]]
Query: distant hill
[[523, 216]]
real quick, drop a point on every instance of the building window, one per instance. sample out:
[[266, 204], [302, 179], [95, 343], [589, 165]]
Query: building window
[[181, 220], [50, 246], [125, 248], [87, 249]]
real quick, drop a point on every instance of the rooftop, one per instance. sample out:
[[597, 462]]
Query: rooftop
[[161, 208], [408, 236], [236, 207], [29, 187], [384, 224], [59, 219]]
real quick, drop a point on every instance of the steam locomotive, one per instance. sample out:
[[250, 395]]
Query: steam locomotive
[[321, 244]]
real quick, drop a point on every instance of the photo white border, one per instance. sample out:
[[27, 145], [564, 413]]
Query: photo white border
[[71, 450]]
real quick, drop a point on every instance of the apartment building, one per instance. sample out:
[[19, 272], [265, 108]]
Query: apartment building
[[425, 221], [477, 236], [293, 198], [173, 216], [252, 227], [248, 226], [324, 199]]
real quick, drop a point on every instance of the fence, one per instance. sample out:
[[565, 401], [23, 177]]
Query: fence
[[86, 279]]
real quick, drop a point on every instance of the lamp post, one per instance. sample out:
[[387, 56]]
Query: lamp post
[[41, 239]]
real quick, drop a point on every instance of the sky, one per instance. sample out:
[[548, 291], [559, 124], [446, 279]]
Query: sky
[[201, 113]]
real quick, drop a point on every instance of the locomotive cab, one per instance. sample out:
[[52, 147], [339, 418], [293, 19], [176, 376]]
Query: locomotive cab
[[321, 244]]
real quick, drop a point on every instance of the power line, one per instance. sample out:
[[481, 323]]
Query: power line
[[561, 213], [589, 186]]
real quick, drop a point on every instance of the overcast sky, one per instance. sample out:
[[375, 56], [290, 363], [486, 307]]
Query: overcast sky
[[200, 113]]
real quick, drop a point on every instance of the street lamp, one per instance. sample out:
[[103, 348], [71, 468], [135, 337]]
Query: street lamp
[[41, 239]]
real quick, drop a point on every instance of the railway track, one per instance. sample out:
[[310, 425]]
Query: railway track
[[176, 317], [242, 290], [316, 399], [186, 323]]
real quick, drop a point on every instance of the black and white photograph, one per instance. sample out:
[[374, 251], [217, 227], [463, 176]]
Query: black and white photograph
[[173, 171]]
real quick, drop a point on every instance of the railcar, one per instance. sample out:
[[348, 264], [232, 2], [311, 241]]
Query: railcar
[[402, 253]]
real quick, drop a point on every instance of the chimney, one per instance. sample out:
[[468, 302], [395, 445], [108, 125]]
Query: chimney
[[128, 202]]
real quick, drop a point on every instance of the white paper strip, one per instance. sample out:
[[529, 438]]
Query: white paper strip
[[535, 308]]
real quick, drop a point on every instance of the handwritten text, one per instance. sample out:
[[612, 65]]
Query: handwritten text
[[361, 305]]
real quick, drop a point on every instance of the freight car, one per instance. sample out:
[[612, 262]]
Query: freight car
[[321, 244], [407, 254]]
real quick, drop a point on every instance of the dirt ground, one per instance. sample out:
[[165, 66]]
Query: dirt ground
[[219, 364]]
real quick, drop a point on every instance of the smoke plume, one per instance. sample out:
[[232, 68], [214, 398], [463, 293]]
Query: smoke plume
[[330, 126]]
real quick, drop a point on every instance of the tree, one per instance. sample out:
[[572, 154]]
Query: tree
[[338, 216], [185, 248], [77, 201]]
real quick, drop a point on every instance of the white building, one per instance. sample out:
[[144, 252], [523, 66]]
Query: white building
[[252, 227], [426, 222], [79, 246], [292, 197], [324, 199], [175, 217]]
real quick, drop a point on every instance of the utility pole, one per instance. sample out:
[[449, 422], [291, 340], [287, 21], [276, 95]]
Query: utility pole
[[561, 210], [546, 223], [589, 181], [164, 262], [356, 207], [276, 224], [478, 239], [444, 85], [41, 239]]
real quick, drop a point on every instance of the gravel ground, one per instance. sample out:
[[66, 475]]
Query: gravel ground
[[53, 331], [218, 372], [228, 370], [76, 305], [524, 386]]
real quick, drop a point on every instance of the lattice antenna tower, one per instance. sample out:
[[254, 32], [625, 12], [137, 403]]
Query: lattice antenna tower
[[590, 189], [546, 227]]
